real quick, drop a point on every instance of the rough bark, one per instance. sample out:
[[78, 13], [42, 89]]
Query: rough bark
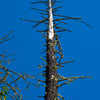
[[53, 48], [51, 70], [51, 73]]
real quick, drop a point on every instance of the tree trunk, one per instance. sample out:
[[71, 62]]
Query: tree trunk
[[51, 70]]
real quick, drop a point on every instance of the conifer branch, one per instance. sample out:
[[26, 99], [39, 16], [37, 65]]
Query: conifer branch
[[54, 53]]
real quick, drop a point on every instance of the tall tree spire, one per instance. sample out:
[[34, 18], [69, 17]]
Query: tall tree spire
[[54, 55], [51, 70], [51, 27]]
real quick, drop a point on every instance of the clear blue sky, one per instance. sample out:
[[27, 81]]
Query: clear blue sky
[[83, 45]]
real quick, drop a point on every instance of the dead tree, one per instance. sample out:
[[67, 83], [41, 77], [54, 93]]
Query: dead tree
[[54, 54], [9, 79]]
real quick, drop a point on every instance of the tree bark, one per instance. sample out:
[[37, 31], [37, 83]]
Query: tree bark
[[51, 69]]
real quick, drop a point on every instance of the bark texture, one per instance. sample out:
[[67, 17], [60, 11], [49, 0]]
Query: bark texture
[[51, 70], [51, 73]]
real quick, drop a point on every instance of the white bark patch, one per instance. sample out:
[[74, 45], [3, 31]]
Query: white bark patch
[[51, 28], [53, 57], [52, 77]]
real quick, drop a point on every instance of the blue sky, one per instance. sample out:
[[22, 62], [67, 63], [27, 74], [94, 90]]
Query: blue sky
[[82, 45]]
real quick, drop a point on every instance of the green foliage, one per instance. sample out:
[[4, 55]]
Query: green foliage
[[3, 93]]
